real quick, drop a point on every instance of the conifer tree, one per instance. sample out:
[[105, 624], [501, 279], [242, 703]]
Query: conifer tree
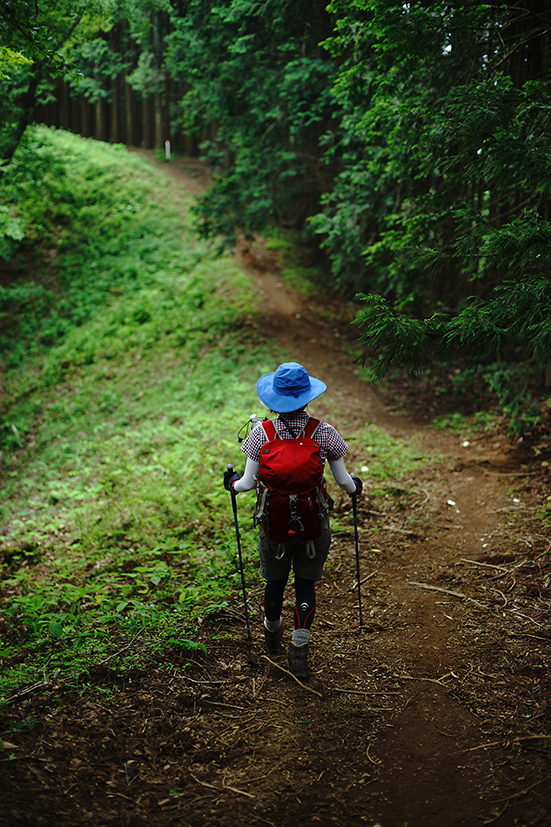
[[440, 212]]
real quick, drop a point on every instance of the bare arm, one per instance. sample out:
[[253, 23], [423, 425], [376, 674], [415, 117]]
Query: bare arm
[[248, 480], [342, 477]]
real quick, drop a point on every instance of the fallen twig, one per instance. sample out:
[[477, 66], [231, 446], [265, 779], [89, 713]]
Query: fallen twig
[[521, 792], [398, 530], [484, 565], [235, 790], [362, 692], [219, 789], [228, 706], [527, 634], [28, 689], [498, 816], [504, 598], [427, 497], [518, 615], [354, 586], [506, 741], [446, 591], [258, 690], [431, 680], [282, 669], [120, 651], [369, 758], [514, 507]]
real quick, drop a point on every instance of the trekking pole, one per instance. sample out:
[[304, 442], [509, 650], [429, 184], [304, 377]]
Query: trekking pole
[[355, 513], [238, 537]]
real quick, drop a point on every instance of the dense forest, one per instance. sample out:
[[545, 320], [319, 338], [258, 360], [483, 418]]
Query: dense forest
[[407, 145]]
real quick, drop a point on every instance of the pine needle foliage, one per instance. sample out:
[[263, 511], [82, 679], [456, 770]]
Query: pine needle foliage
[[259, 98]]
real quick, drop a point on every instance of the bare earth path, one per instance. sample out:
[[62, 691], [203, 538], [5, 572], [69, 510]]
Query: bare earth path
[[435, 712], [426, 640]]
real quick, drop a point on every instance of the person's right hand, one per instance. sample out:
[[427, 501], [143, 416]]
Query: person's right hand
[[230, 477]]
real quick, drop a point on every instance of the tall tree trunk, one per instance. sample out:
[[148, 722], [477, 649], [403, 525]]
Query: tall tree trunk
[[99, 132], [158, 118], [157, 97], [84, 127], [114, 136], [147, 138], [63, 104], [128, 136]]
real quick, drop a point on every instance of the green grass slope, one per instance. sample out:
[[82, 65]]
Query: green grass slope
[[128, 361]]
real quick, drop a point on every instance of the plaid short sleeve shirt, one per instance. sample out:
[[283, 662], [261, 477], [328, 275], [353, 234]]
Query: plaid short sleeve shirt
[[332, 445]]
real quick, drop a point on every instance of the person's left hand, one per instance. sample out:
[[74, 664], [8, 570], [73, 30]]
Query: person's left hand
[[359, 485]]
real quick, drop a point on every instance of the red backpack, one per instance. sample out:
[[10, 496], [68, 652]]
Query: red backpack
[[292, 498]]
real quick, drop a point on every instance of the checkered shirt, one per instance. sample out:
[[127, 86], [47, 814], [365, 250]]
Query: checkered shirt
[[332, 445]]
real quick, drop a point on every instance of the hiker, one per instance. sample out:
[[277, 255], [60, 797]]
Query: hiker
[[293, 528]]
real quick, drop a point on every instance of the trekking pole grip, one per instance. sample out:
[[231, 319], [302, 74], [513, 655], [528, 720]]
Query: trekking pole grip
[[230, 468]]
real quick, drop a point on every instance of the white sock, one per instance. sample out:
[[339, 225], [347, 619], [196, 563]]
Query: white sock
[[273, 625], [300, 637]]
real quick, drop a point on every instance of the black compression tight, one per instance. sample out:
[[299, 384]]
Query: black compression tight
[[305, 605], [273, 599]]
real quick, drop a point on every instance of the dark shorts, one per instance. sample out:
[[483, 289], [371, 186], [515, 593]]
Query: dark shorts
[[277, 559]]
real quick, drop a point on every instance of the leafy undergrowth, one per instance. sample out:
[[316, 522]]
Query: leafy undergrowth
[[491, 399]]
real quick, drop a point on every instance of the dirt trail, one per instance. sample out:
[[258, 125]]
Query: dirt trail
[[435, 712], [424, 634]]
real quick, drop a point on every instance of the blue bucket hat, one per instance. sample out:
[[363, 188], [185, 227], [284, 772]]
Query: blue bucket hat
[[289, 388]]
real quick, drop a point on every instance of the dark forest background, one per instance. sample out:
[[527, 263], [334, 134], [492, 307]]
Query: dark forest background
[[406, 146]]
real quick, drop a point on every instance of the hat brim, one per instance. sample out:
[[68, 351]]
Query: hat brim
[[282, 403]]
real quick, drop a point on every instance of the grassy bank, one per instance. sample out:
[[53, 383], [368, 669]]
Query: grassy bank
[[124, 386]]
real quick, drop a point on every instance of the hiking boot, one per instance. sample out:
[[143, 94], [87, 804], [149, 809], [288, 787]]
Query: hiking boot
[[298, 660], [273, 641]]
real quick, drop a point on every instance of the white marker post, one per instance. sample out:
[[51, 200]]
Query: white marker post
[[167, 150]]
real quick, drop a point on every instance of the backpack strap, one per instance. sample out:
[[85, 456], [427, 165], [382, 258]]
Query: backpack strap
[[311, 427], [269, 429]]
